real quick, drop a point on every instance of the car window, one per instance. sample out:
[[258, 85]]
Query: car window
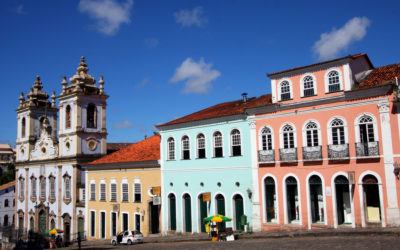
[[126, 233]]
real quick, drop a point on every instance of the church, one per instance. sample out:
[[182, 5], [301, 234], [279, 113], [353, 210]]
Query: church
[[53, 142]]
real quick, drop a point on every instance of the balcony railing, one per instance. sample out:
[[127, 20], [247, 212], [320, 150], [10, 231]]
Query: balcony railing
[[312, 153], [340, 151], [367, 149], [266, 155], [288, 154]]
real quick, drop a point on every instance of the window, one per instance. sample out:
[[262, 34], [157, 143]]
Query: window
[[33, 187], [67, 183], [113, 192], [201, 146], [125, 192], [333, 81], [6, 203], [43, 188], [366, 126], [288, 136], [52, 187], [137, 191], [92, 191], [285, 91], [236, 143], [68, 116], [266, 139], [308, 86], [337, 127], [185, 148], [218, 152], [21, 188], [91, 116], [23, 126], [171, 148], [312, 134], [102, 191]]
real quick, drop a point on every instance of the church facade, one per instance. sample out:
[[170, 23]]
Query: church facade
[[52, 143]]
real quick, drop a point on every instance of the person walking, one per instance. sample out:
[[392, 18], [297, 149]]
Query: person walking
[[79, 240]]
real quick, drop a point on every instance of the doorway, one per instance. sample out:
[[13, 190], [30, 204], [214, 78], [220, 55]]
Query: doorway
[[42, 222], [187, 213], [220, 202], [343, 205], [372, 206], [154, 218], [172, 212], [316, 200], [270, 200], [203, 213], [292, 200], [239, 211], [137, 222]]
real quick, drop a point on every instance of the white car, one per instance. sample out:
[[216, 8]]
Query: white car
[[127, 237]]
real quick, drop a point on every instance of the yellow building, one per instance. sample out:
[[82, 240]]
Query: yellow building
[[123, 191]]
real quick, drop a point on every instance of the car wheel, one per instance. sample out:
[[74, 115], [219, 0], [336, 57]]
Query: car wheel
[[129, 242], [114, 243]]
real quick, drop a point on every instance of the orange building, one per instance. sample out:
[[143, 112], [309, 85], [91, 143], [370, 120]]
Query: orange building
[[328, 144]]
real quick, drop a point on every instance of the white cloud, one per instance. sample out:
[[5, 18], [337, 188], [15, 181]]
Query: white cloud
[[151, 42], [109, 14], [332, 43], [123, 124], [187, 18], [20, 9], [198, 76]]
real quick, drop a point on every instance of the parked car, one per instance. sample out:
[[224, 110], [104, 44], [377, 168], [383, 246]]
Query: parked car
[[127, 237]]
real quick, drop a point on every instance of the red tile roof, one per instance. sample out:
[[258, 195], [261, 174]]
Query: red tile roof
[[146, 150], [321, 63], [223, 109], [381, 76]]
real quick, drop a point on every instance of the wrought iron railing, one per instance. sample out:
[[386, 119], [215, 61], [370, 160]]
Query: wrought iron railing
[[312, 153], [266, 155], [367, 149], [288, 154], [340, 151]]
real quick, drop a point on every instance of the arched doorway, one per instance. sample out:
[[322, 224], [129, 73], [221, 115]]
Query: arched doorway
[[371, 197], [316, 200], [202, 213], [67, 227], [172, 212], [292, 201], [81, 224], [42, 222], [187, 215], [343, 202], [238, 211], [220, 209], [270, 200]]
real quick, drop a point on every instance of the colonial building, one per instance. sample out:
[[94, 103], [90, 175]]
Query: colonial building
[[7, 204], [122, 191], [327, 144], [209, 153], [7, 156], [50, 182]]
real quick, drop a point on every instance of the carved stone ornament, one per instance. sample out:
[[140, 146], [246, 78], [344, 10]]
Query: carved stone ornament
[[45, 147], [252, 124], [384, 107]]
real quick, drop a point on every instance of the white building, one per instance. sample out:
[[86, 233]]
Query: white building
[[7, 204], [50, 183]]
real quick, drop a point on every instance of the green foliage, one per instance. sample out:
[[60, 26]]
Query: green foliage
[[9, 175]]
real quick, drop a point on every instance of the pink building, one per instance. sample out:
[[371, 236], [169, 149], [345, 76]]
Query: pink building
[[328, 146]]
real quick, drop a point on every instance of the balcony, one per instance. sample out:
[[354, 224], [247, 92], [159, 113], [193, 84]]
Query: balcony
[[266, 156], [340, 151], [288, 154], [312, 153], [367, 149]]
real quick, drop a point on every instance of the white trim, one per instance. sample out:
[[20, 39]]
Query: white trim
[[233, 210], [215, 209], [260, 146], [231, 142], [280, 88], [333, 189], [302, 84], [326, 78], [325, 222], [357, 124], [213, 145], [361, 193], [286, 219], [122, 220], [281, 142], [264, 200], [273, 91], [304, 132], [329, 129], [134, 221], [348, 79]]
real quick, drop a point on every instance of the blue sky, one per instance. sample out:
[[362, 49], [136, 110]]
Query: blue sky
[[165, 59]]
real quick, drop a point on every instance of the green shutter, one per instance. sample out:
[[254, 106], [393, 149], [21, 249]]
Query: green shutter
[[203, 213], [172, 212], [238, 212], [188, 214]]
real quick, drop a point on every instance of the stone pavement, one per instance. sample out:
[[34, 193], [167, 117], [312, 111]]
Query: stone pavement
[[394, 231]]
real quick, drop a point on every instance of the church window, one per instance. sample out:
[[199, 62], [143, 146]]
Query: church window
[[23, 127], [68, 116], [91, 116]]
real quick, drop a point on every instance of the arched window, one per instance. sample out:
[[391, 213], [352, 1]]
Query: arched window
[[6, 203], [236, 143], [33, 187], [41, 122], [185, 148], [201, 146], [337, 130], [68, 116], [218, 150], [285, 91], [288, 136], [43, 188], [312, 134], [52, 181], [67, 187], [266, 139], [333, 81], [316, 199], [91, 115], [23, 127], [308, 87], [171, 149], [366, 127]]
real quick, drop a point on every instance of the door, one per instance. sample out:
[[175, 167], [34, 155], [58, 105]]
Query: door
[[114, 224], [172, 212], [42, 222], [270, 199], [343, 204], [154, 218], [220, 200], [124, 222], [137, 222], [67, 232], [103, 224], [188, 213], [371, 199], [203, 213], [81, 226], [238, 211]]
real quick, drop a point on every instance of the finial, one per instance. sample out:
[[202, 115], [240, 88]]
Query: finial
[[53, 99], [21, 99], [38, 83], [64, 83], [101, 83], [82, 65]]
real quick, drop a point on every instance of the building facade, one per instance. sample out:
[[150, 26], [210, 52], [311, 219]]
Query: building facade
[[50, 182], [7, 156], [7, 204], [209, 152], [327, 144], [121, 191]]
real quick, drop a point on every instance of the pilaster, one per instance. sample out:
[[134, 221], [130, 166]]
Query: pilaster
[[59, 196]]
